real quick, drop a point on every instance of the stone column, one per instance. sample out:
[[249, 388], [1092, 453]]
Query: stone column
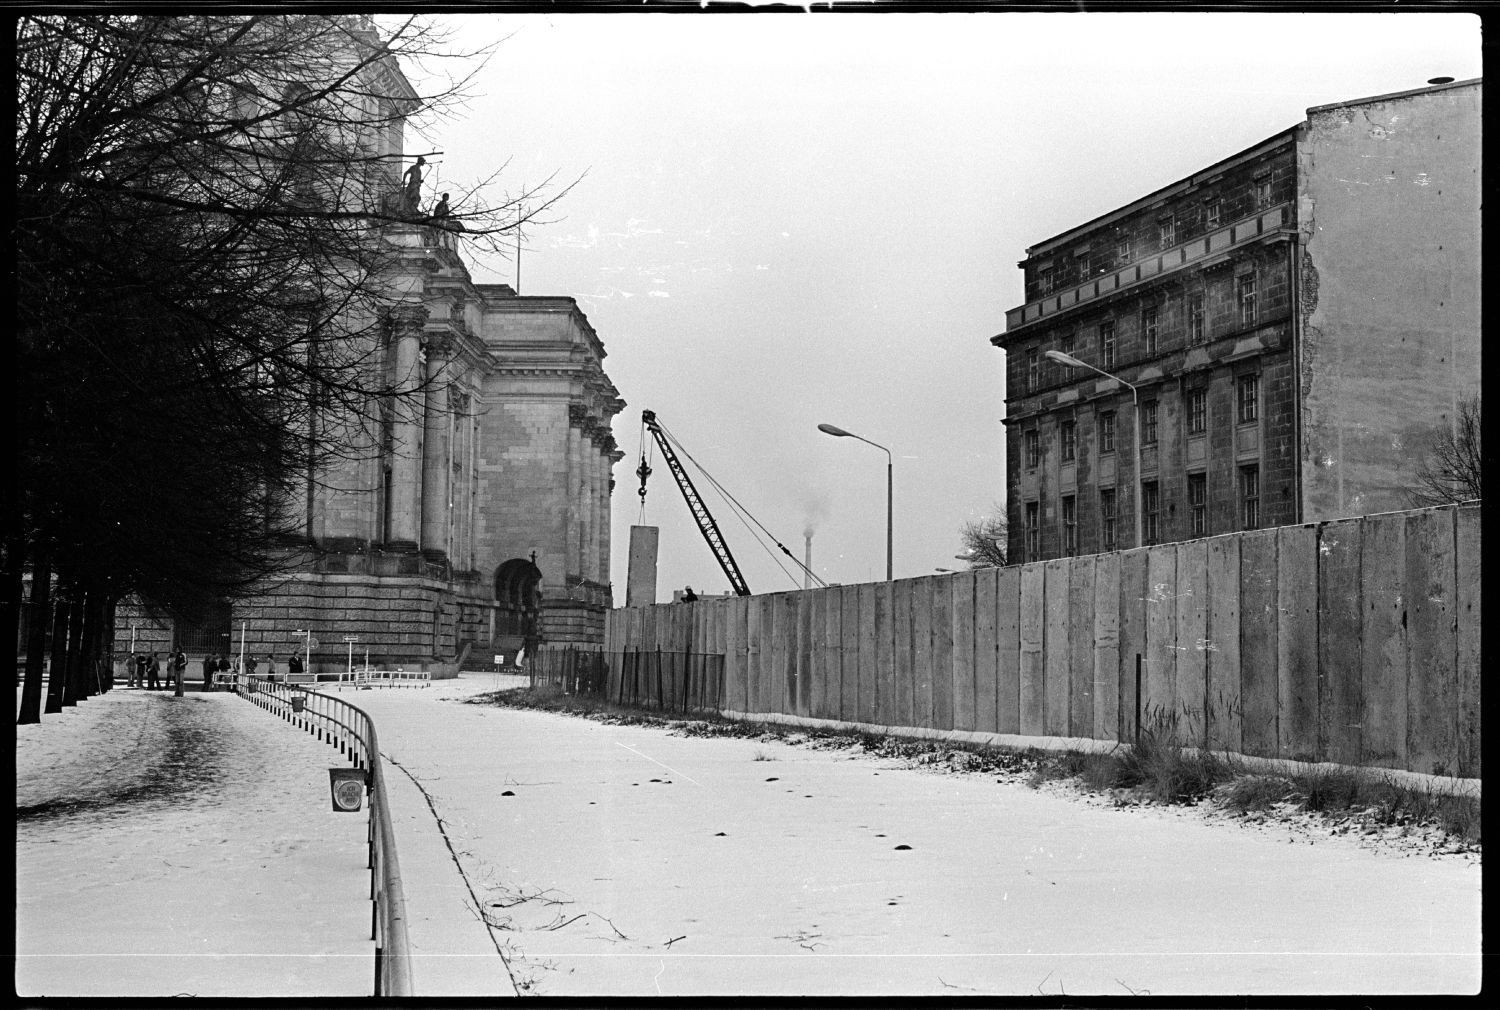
[[435, 449], [575, 511], [612, 456], [601, 505], [406, 434]]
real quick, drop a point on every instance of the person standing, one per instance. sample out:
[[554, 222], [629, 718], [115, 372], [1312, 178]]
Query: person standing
[[138, 670], [153, 673], [270, 667], [210, 664], [179, 669]]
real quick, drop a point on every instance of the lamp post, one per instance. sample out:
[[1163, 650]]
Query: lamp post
[[836, 432], [1072, 362]]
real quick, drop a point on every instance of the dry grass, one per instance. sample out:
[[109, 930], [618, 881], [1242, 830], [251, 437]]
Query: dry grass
[[1157, 769]]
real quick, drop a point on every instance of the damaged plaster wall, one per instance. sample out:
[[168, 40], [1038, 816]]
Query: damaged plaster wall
[[1389, 290]]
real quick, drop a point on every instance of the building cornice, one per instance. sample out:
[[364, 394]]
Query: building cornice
[[1266, 226]]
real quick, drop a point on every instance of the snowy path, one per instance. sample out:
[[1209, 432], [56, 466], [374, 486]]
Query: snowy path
[[184, 845], [627, 861]]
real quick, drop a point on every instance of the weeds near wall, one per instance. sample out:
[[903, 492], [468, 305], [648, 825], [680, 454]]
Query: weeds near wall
[[1160, 768]]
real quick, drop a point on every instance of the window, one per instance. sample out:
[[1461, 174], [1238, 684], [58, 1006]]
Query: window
[[1197, 411], [1250, 497], [1262, 191], [1150, 512], [1197, 488], [1197, 320], [1033, 448], [1245, 295], [1068, 437], [1107, 518], [1122, 250], [1106, 345], [1148, 423], [1166, 233], [1247, 397], [1148, 328], [1070, 525], [1033, 370], [1107, 431], [1044, 280], [1211, 214], [1033, 531], [1066, 341]]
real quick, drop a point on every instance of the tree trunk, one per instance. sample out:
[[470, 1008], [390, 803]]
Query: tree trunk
[[107, 635], [14, 576], [36, 638], [57, 667], [73, 691], [87, 679]]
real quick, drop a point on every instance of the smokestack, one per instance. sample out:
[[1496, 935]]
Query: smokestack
[[807, 562]]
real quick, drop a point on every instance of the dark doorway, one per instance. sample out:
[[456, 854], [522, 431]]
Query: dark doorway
[[208, 632], [517, 590]]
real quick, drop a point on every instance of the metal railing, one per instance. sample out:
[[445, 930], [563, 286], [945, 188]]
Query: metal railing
[[347, 727]]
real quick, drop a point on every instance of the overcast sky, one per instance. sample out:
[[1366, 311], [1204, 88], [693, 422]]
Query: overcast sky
[[791, 219]]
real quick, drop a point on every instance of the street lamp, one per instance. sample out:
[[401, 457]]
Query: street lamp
[[836, 432], [1072, 362]]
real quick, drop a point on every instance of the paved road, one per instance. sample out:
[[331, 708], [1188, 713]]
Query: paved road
[[628, 861]]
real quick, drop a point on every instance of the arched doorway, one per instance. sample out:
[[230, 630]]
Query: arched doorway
[[518, 593]]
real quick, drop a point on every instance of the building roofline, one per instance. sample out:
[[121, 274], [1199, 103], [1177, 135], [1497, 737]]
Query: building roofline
[[1219, 166], [1396, 94]]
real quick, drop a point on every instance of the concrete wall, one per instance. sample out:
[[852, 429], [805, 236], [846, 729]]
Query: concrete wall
[[1390, 216], [1353, 641]]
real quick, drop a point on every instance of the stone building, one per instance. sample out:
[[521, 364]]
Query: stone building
[[477, 517], [1299, 322]]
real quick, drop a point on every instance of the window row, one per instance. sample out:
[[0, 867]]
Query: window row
[[1247, 311], [1247, 411], [1169, 230], [1248, 509]]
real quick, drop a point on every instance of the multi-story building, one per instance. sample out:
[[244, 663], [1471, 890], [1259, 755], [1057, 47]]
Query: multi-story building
[[1297, 321]]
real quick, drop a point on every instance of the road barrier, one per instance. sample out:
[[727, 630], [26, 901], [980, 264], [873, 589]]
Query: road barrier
[[347, 727]]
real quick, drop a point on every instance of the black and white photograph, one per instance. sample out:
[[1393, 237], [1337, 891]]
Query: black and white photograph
[[747, 499]]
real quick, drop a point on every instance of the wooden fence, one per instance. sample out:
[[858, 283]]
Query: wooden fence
[[1354, 641]]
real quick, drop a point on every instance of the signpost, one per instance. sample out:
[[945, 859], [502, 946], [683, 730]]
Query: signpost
[[307, 645], [351, 639]]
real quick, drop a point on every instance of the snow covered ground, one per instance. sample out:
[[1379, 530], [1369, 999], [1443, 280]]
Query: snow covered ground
[[186, 845], [624, 860]]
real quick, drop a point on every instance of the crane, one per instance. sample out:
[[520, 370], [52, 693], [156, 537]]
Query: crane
[[705, 520]]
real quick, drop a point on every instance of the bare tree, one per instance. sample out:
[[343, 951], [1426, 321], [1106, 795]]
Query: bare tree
[[208, 211], [1452, 470], [985, 539]]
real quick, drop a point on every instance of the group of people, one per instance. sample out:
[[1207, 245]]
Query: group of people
[[150, 671], [146, 670]]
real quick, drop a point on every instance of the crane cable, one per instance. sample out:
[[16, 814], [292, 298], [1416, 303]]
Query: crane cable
[[740, 511], [644, 470]]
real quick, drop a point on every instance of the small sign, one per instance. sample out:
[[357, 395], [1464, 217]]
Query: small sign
[[348, 788], [351, 638], [499, 659]]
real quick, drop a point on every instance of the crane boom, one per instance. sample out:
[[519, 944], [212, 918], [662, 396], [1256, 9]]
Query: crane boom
[[705, 520]]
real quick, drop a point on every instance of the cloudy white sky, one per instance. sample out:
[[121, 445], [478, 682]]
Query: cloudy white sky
[[787, 219]]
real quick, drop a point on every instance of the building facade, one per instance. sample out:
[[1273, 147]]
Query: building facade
[[1298, 322], [471, 518]]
